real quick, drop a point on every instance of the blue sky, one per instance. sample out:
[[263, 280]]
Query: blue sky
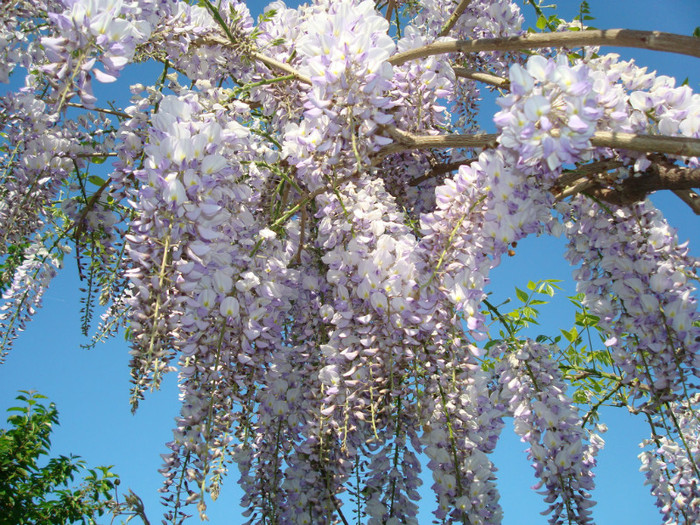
[[91, 388]]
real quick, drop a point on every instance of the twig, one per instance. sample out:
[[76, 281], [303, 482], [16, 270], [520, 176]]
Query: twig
[[216, 40], [390, 9], [99, 110], [486, 78], [654, 40], [441, 169], [453, 19], [282, 66], [436, 168]]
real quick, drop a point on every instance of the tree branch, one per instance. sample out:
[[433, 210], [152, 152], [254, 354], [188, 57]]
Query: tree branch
[[663, 174], [276, 64], [654, 40], [691, 198], [682, 146], [486, 78], [657, 177], [99, 110], [593, 168], [406, 141], [440, 169], [453, 19], [390, 9]]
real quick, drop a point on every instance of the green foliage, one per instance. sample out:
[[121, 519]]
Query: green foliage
[[62, 491], [584, 358], [552, 22], [584, 15], [544, 22], [523, 315]]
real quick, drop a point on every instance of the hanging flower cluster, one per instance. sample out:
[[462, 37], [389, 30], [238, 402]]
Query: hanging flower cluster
[[671, 467], [636, 278], [107, 31], [550, 115], [24, 294], [544, 417], [344, 52]]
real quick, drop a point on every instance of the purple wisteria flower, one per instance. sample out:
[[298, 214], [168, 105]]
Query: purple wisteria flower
[[534, 393], [637, 278], [286, 228], [550, 115]]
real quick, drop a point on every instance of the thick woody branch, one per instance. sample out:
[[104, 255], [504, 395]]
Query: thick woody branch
[[587, 170], [682, 146], [663, 174], [657, 177], [654, 40]]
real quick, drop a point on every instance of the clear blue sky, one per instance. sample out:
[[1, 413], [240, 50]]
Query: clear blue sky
[[91, 387]]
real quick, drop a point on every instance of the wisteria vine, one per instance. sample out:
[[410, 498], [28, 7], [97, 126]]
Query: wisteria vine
[[300, 220]]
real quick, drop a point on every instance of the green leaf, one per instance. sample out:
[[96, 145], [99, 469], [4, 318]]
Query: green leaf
[[541, 22], [523, 296], [31, 493], [571, 335], [580, 396], [97, 181], [696, 33]]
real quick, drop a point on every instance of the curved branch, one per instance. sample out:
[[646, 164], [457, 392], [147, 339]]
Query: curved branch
[[691, 198], [276, 64], [587, 170], [654, 40]]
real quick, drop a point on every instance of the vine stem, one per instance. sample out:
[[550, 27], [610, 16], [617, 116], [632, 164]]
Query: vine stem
[[654, 40]]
